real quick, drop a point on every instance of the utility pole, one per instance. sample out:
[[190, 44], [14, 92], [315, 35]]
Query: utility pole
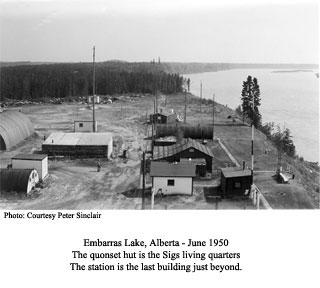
[[185, 106], [213, 115], [200, 95], [143, 178], [94, 90], [252, 138]]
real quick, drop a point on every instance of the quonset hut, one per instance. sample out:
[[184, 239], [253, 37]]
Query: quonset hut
[[14, 128], [79, 145], [194, 132], [18, 180]]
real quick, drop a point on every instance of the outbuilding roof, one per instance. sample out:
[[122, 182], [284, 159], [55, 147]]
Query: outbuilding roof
[[14, 128], [164, 169], [232, 172], [23, 156], [166, 114], [14, 180], [79, 139], [161, 152]]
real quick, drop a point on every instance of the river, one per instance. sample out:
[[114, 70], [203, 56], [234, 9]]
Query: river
[[289, 98]]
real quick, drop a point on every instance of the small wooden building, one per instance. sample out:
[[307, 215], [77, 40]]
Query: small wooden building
[[32, 161], [79, 144], [172, 178], [18, 180], [188, 150], [85, 126], [163, 118], [235, 181]]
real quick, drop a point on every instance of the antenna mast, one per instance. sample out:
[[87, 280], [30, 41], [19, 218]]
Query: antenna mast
[[94, 90], [252, 138], [185, 105], [200, 95], [213, 115]]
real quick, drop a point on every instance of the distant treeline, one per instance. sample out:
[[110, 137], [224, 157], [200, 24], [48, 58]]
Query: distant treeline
[[190, 68], [75, 79]]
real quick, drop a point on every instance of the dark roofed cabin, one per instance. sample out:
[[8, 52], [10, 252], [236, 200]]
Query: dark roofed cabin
[[188, 150], [163, 118], [235, 181]]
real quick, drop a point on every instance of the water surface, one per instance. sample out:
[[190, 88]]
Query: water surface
[[289, 98]]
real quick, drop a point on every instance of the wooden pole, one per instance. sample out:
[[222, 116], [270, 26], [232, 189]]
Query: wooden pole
[[152, 198], [252, 139], [200, 95], [213, 116], [143, 179], [94, 90], [185, 106]]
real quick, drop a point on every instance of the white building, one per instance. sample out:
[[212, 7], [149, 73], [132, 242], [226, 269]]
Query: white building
[[38, 162], [85, 126], [172, 178]]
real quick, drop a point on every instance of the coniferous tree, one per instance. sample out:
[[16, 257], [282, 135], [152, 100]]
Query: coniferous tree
[[251, 90]]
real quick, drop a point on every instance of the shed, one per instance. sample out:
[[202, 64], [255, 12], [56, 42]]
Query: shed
[[187, 149], [14, 128], [85, 126], [176, 178], [18, 180], [235, 181], [78, 144], [32, 161], [163, 118]]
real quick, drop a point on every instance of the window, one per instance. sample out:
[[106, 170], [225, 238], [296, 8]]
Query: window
[[191, 150], [80, 124], [170, 182], [237, 185]]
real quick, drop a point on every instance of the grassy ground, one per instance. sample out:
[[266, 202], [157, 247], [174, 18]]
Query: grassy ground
[[75, 184]]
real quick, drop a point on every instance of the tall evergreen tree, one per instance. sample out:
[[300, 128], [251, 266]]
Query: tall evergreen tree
[[251, 90]]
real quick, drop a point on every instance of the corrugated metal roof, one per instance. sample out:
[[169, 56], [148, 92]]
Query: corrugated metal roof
[[14, 180], [164, 169], [22, 156], [79, 139], [14, 127], [231, 172], [161, 152]]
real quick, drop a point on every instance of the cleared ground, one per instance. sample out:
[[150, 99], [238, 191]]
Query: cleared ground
[[75, 184]]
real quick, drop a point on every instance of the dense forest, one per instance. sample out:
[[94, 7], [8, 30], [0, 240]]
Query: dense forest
[[75, 79]]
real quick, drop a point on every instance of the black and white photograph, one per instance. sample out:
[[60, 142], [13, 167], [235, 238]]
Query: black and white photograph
[[162, 106], [152, 143]]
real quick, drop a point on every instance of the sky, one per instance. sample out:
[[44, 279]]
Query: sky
[[175, 31]]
